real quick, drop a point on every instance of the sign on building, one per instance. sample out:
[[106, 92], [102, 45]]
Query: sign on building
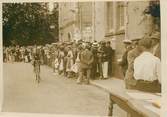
[[87, 34]]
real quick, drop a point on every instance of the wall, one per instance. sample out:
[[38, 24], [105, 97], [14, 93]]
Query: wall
[[137, 25], [99, 21], [67, 20], [116, 37], [85, 19]]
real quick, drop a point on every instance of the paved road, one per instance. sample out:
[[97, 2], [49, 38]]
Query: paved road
[[55, 94]]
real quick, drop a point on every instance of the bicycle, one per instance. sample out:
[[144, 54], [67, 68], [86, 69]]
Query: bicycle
[[36, 64]]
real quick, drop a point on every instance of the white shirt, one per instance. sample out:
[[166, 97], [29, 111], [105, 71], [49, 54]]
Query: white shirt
[[147, 67], [155, 48]]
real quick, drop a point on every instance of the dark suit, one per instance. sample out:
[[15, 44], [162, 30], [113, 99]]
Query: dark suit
[[109, 55], [95, 63]]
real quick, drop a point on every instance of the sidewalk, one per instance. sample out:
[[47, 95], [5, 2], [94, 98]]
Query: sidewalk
[[109, 84]]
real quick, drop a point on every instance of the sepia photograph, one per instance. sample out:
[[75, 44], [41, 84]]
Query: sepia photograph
[[91, 58]]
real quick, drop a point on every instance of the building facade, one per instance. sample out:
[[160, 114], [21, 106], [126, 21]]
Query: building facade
[[67, 20], [112, 21]]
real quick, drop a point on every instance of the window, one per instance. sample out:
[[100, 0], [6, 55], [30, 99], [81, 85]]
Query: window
[[121, 13], [110, 18]]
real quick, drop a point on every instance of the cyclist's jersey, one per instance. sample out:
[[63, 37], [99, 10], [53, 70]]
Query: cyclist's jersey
[[36, 57], [36, 64]]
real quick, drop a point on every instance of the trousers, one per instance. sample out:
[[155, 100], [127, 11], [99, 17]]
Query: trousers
[[84, 72], [105, 69]]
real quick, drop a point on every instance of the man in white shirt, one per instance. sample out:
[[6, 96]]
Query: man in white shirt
[[147, 67]]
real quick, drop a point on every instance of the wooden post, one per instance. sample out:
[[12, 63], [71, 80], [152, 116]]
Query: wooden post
[[111, 105]]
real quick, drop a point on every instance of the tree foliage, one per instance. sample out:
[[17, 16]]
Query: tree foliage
[[29, 23], [154, 8]]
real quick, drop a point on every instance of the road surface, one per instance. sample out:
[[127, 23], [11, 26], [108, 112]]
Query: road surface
[[55, 94]]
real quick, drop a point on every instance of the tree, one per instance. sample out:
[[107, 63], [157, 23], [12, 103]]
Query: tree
[[28, 23], [154, 10]]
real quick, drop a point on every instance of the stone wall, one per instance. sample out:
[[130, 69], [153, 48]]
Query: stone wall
[[67, 19]]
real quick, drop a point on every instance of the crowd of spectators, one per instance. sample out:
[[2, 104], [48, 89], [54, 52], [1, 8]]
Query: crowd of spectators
[[141, 63], [82, 60]]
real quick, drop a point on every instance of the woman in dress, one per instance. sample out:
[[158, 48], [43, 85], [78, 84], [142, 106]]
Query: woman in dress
[[61, 59], [70, 62]]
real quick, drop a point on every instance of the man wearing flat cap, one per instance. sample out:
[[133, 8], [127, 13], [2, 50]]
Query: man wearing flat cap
[[156, 49]]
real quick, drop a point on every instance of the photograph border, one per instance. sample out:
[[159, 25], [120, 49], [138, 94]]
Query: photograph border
[[163, 11]]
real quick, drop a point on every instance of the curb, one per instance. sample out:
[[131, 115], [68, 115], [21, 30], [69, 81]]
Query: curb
[[99, 86]]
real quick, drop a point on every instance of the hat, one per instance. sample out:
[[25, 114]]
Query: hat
[[126, 41], [95, 44], [61, 47], [108, 42], [103, 42], [135, 39], [80, 47], [38, 47], [155, 35]]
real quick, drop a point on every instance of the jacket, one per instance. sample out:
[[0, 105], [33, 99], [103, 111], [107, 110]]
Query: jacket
[[86, 59]]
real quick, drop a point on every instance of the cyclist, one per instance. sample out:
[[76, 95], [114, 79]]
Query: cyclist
[[36, 65]]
